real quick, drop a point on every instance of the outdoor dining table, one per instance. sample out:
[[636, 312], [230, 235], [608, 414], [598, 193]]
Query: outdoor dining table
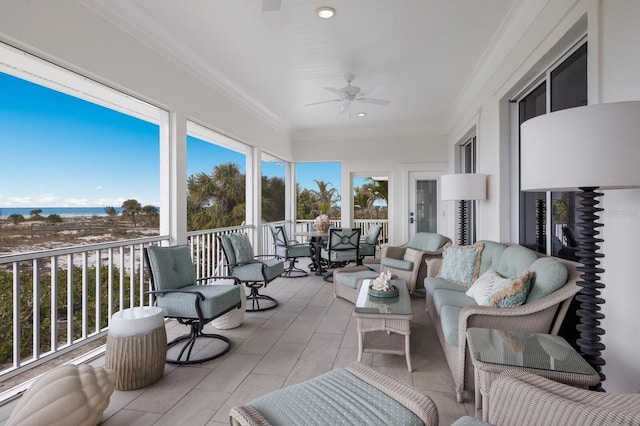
[[317, 239]]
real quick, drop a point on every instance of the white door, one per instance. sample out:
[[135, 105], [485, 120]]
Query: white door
[[423, 202]]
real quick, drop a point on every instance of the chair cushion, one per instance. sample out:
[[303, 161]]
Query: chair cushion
[[443, 298], [550, 275], [298, 250], [372, 235], [336, 397], [449, 318], [461, 264], [367, 249], [172, 267], [242, 250], [339, 256], [252, 272], [218, 298], [426, 241], [350, 279], [401, 264]]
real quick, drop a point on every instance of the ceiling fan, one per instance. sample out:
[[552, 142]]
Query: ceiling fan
[[349, 94]]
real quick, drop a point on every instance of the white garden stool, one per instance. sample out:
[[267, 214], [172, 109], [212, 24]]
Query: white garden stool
[[136, 347], [233, 318]]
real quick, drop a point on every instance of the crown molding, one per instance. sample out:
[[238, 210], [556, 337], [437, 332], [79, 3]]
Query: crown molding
[[160, 39]]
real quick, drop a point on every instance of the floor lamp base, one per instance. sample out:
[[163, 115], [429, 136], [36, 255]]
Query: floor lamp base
[[589, 314]]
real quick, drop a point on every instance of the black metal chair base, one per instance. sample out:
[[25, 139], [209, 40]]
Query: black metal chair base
[[259, 302], [184, 356], [294, 272]]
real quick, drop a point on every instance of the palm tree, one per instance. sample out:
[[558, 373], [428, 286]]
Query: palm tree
[[326, 197], [216, 200], [131, 208], [35, 213]]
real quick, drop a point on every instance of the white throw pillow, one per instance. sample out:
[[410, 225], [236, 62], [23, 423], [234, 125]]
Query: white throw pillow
[[485, 287]]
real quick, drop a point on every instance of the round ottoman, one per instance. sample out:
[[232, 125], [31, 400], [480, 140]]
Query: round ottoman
[[233, 318], [136, 347]]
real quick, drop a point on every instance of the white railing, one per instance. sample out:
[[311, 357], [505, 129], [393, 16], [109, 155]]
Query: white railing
[[364, 224], [53, 300]]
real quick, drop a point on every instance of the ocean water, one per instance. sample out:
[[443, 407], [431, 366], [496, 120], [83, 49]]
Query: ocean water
[[62, 211]]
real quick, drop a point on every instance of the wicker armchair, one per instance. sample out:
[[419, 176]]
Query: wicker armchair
[[521, 398]]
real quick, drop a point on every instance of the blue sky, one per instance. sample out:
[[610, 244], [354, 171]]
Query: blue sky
[[60, 151]]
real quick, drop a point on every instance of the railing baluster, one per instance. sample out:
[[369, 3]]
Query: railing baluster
[[53, 265], [70, 299], [16, 314], [36, 309], [85, 295]]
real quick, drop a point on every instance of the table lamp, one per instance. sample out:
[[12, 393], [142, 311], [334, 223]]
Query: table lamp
[[463, 187], [584, 149]]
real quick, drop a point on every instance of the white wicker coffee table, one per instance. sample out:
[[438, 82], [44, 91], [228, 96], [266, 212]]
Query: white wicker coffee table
[[384, 324]]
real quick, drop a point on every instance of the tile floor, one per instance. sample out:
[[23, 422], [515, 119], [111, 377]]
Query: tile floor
[[309, 333]]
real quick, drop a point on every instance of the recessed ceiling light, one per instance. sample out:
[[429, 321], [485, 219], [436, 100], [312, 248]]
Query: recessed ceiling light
[[362, 114], [326, 12]]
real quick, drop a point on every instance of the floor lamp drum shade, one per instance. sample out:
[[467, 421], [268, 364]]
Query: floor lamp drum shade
[[584, 149], [589, 146], [463, 186]]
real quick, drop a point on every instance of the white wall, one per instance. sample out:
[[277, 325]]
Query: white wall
[[392, 157], [614, 60]]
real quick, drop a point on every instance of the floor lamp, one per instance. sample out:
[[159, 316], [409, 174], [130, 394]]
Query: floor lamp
[[584, 149], [463, 187]]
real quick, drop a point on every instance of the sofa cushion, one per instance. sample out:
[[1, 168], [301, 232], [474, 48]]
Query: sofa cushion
[[401, 264], [485, 287], [449, 318], [461, 264], [433, 283], [551, 274], [515, 260], [512, 293], [453, 298], [491, 254]]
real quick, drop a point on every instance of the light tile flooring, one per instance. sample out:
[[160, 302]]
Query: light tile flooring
[[309, 333]]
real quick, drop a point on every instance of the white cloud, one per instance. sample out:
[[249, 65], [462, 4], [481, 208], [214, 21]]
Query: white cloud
[[19, 202], [47, 200], [114, 202], [76, 202]]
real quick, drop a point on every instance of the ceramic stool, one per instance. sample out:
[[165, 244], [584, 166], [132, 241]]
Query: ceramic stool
[[136, 347]]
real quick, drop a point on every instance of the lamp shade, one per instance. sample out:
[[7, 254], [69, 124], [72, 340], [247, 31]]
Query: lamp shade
[[463, 186], [589, 146]]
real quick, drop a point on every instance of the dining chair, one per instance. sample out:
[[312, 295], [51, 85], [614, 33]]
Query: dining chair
[[289, 250], [343, 247]]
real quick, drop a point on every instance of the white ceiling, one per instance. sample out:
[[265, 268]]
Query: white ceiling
[[417, 53]]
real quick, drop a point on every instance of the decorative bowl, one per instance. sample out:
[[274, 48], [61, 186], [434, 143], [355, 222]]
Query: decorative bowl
[[376, 293]]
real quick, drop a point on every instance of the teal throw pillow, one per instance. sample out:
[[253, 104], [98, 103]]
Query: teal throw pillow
[[461, 264], [513, 292]]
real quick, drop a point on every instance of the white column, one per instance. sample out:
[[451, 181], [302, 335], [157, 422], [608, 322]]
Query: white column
[[173, 178], [253, 198]]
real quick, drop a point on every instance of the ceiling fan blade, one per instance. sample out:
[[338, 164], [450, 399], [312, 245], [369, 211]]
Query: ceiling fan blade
[[375, 101], [336, 91], [324, 102], [271, 5], [346, 106]]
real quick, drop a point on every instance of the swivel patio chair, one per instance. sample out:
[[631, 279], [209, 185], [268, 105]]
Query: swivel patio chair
[[343, 247], [255, 271], [369, 243], [289, 250], [176, 290]]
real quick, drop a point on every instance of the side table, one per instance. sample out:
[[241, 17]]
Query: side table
[[382, 322], [493, 351], [136, 347]]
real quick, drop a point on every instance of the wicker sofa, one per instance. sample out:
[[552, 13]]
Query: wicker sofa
[[453, 312]]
